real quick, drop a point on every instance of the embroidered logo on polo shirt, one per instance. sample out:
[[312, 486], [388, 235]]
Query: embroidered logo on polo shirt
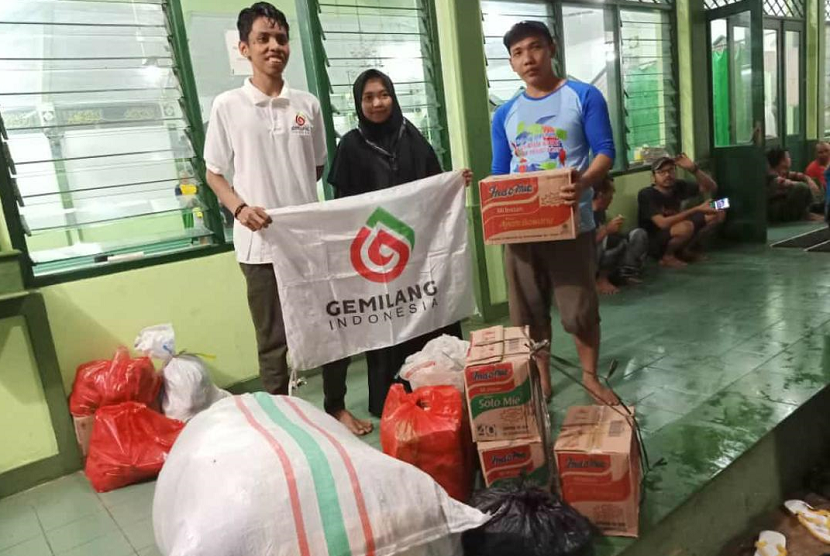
[[302, 125], [382, 247]]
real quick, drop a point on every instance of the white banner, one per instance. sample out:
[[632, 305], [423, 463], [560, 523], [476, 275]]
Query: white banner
[[371, 271]]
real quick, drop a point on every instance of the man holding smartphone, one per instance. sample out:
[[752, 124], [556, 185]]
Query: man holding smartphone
[[675, 234]]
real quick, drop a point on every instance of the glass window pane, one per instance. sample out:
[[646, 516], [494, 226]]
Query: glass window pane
[[741, 80], [771, 85], [81, 13], [732, 80], [591, 57], [589, 46], [649, 84], [792, 90]]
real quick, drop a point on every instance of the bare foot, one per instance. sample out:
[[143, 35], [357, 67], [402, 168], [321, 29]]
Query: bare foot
[[355, 425], [670, 261], [813, 217], [600, 393], [633, 280], [605, 287], [543, 364]]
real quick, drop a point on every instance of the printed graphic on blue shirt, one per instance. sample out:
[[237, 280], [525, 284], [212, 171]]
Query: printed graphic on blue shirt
[[539, 146]]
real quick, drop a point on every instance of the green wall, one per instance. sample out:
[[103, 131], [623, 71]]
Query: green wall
[[204, 299], [26, 433]]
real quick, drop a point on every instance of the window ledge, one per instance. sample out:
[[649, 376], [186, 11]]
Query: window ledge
[[114, 268]]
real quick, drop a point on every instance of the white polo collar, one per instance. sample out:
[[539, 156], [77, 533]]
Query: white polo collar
[[261, 99]]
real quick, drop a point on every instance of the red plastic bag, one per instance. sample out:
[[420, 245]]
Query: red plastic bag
[[129, 444], [110, 382], [429, 429]]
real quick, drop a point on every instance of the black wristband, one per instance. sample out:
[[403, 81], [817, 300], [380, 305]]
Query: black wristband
[[238, 210]]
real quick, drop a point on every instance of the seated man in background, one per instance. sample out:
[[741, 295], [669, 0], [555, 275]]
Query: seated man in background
[[789, 194], [620, 257], [673, 234], [817, 168]]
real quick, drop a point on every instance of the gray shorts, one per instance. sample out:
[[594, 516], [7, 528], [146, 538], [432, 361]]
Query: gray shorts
[[564, 270]]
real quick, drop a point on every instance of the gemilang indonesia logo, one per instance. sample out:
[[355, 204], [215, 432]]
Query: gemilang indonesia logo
[[382, 247]]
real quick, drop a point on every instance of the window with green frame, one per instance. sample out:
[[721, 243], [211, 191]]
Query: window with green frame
[[99, 153], [627, 52], [623, 47], [397, 37]]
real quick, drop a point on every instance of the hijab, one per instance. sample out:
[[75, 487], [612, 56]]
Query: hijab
[[379, 155], [384, 134]]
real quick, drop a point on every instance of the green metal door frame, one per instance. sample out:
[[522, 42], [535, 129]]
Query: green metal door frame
[[741, 168]]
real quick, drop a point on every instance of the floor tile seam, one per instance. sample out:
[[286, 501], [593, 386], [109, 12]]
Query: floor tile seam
[[88, 541], [136, 548], [43, 532], [120, 529], [24, 541], [135, 553]]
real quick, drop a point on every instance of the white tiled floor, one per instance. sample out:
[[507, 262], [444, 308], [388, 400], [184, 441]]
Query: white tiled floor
[[67, 518]]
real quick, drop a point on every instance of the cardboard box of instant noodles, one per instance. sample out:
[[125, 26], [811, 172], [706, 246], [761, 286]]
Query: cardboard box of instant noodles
[[598, 458], [522, 208]]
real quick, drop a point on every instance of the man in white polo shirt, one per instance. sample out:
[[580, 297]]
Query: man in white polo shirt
[[272, 138]]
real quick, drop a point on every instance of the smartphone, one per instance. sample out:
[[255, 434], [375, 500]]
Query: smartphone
[[720, 204]]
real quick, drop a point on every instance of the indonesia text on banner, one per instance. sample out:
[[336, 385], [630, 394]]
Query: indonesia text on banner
[[373, 270]]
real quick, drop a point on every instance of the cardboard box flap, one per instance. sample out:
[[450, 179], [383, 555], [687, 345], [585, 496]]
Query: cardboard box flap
[[596, 429], [493, 344], [568, 173]]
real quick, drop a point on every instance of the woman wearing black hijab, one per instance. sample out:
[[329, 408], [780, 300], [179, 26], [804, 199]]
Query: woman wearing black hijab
[[385, 150]]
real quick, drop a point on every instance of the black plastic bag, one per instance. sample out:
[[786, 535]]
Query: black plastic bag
[[527, 522]]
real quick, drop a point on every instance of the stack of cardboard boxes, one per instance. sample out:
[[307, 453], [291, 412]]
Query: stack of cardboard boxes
[[597, 452], [508, 415]]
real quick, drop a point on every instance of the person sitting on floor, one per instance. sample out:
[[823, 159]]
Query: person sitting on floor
[[620, 257], [673, 234], [817, 168], [790, 195]]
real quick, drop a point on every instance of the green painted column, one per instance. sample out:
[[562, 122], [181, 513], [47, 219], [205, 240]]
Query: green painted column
[[465, 90], [693, 75], [684, 59]]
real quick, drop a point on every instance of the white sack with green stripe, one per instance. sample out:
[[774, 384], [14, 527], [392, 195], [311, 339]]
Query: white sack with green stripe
[[373, 270], [261, 475]]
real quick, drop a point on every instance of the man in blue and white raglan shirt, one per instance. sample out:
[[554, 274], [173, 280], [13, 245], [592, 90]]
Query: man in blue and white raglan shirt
[[555, 123]]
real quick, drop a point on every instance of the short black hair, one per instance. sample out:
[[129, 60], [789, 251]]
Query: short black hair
[[245, 21], [525, 29], [775, 155], [605, 186]]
